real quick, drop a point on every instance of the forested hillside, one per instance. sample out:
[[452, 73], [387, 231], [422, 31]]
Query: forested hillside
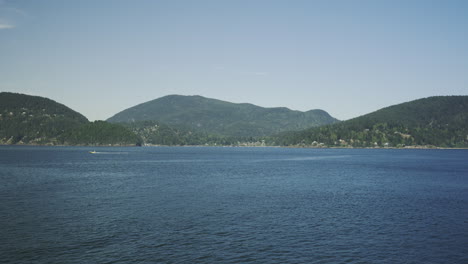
[[26, 119], [157, 133], [222, 118], [430, 122], [100, 133], [436, 121]]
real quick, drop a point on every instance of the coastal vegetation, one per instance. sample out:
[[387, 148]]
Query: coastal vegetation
[[157, 133], [101, 133], [28, 119], [440, 121], [35, 120]]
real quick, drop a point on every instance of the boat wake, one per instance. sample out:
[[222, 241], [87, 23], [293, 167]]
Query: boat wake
[[108, 152]]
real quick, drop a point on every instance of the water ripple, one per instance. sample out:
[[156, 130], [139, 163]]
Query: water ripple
[[233, 206]]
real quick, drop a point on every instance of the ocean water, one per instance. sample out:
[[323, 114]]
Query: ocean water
[[232, 205]]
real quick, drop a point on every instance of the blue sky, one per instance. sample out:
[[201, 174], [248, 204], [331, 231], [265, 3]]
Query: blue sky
[[346, 57]]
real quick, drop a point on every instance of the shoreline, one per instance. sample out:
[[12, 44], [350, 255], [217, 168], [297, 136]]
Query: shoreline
[[228, 146]]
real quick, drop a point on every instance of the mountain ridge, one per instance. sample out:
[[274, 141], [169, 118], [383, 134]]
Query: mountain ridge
[[222, 117], [440, 121]]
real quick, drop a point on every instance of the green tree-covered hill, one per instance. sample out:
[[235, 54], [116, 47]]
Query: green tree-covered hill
[[26, 119], [100, 133], [222, 118], [157, 133], [436, 121], [440, 121]]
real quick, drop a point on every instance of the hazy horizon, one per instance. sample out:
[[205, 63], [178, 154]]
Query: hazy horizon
[[348, 58]]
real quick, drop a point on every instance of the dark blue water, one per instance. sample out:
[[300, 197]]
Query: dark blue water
[[233, 205]]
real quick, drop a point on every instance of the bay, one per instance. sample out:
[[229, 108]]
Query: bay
[[232, 205]]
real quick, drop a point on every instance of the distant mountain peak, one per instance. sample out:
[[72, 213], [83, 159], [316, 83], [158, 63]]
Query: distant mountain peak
[[222, 117]]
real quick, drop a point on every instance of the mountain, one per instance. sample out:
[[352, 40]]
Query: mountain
[[440, 121], [26, 119], [222, 118]]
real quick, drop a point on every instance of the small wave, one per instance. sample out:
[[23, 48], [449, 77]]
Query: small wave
[[319, 157], [304, 158]]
